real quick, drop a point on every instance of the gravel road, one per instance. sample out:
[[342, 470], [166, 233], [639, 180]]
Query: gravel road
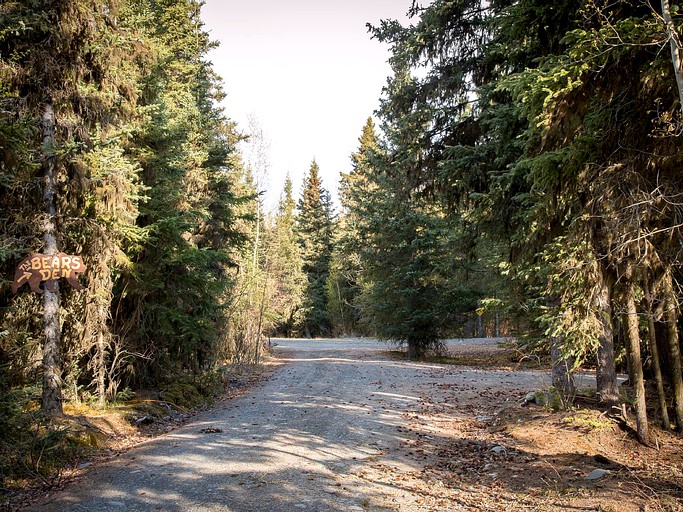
[[297, 441]]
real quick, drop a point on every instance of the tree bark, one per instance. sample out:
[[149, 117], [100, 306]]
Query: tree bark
[[675, 42], [671, 319], [636, 375], [52, 378], [415, 350], [654, 351], [100, 370], [257, 235], [562, 377], [606, 372]]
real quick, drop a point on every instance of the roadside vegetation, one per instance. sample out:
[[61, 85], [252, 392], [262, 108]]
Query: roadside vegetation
[[521, 178]]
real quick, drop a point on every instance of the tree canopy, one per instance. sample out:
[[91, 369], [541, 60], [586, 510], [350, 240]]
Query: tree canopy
[[520, 177]]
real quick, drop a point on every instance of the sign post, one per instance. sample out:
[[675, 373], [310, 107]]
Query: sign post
[[480, 326]]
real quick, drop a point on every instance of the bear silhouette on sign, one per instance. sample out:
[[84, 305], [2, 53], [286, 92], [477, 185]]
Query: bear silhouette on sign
[[38, 268]]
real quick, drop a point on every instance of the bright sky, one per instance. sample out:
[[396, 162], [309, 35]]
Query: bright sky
[[308, 72]]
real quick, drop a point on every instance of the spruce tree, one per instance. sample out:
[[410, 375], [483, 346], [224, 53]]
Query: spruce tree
[[314, 230], [455, 135], [69, 84], [116, 102], [521, 127], [594, 146], [174, 295], [286, 265], [347, 279], [412, 294]]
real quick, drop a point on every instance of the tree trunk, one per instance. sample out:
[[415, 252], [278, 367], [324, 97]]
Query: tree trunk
[[654, 351], [562, 377], [100, 369], [415, 350], [257, 236], [606, 372], [341, 306], [675, 42], [52, 378], [671, 319], [636, 375], [262, 309]]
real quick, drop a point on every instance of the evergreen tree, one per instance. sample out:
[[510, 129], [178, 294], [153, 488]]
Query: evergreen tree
[[346, 283], [314, 230], [438, 168], [415, 263], [521, 128], [404, 296], [594, 135], [68, 92], [174, 296], [286, 265], [114, 105], [457, 135]]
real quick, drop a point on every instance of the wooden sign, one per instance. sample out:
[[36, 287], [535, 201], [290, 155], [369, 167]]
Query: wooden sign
[[38, 268]]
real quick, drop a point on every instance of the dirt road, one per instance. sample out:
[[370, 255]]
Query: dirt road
[[307, 438]]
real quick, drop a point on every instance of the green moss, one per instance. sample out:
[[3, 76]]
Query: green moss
[[586, 421], [183, 394], [86, 439]]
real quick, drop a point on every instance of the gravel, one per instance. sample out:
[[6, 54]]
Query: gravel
[[297, 441]]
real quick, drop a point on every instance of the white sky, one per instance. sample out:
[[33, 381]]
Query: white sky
[[309, 73]]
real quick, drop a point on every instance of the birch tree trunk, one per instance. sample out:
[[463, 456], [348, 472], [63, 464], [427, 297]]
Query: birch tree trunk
[[675, 42], [257, 235], [52, 378]]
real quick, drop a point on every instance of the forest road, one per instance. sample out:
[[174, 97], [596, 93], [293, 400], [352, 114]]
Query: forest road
[[299, 440]]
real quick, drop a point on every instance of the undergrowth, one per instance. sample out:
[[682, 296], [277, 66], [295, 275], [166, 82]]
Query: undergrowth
[[35, 449]]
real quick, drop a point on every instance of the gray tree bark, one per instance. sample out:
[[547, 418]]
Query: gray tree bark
[[675, 42], [562, 377], [636, 370], [654, 351], [606, 372], [100, 369], [52, 375], [671, 319]]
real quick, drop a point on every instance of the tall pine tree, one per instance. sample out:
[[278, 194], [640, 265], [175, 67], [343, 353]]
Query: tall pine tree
[[69, 96], [314, 230], [347, 277], [174, 295], [286, 265]]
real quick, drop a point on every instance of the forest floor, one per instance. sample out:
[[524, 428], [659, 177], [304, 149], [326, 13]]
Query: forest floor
[[349, 425]]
